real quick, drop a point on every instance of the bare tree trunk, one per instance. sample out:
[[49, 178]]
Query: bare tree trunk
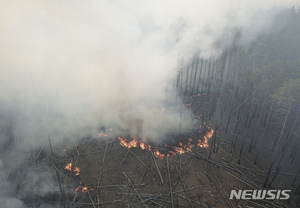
[[194, 84], [289, 135], [265, 126], [296, 177], [199, 78], [255, 129], [273, 159], [57, 174]]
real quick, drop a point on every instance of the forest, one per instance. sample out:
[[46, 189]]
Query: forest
[[254, 91], [247, 101]]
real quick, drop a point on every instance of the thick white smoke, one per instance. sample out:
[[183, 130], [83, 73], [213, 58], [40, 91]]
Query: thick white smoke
[[69, 66]]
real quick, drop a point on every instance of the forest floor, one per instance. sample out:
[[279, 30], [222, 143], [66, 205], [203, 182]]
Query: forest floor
[[116, 176]]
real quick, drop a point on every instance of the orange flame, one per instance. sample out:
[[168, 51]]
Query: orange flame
[[76, 170], [145, 146], [181, 149], [83, 189], [68, 167], [105, 135], [102, 134], [158, 154]]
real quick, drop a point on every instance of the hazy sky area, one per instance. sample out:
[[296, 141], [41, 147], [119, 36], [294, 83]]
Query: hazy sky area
[[69, 66]]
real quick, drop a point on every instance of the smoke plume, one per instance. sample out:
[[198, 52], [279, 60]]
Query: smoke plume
[[71, 67]]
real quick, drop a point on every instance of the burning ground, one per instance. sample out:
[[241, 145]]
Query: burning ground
[[104, 170], [69, 67], [177, 144]]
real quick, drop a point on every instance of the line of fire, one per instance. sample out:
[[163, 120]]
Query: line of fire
[[241, 150], [237, 144]]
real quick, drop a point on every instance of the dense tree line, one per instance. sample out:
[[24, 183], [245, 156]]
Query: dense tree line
[[256, 90]]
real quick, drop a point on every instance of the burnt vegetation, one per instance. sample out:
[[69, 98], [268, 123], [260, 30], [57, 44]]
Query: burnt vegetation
[[249, 96], [254, 94]]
